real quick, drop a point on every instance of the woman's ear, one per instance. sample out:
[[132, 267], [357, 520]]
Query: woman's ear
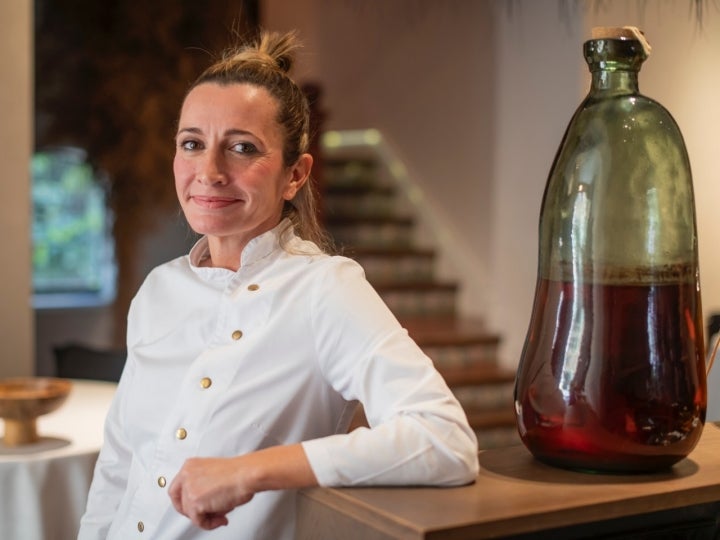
[[299, 174]]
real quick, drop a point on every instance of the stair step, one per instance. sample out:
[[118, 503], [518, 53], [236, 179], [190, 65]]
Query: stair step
[[478, 374], [488, 419], [356, 171], [498, 437], [415, 287], [355, 190], [371, 231], [401, 264], [419, 299], [359, 201], [486, 397], [359, 207], [448, 330], [461, 348], [390, 253], [494, 428]]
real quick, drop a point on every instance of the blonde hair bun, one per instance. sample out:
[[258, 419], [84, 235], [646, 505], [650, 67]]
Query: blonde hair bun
[[271, 49]]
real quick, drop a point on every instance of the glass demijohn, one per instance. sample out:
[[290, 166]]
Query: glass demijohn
[[612, 374]]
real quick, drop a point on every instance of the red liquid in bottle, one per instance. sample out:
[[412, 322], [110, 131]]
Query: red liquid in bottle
[[612, 377]]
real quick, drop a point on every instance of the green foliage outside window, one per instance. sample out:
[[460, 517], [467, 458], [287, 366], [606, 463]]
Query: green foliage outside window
[[72, 247]]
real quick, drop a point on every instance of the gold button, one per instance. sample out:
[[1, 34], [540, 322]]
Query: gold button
[[161, 481], [141, 526], [206, 382], [253, 287], [237, 334], [181, 433]]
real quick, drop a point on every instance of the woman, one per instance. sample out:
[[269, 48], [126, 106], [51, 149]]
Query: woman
[[247, 357]]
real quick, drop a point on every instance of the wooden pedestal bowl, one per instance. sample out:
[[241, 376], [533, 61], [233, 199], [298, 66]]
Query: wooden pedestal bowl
[[23, 400]]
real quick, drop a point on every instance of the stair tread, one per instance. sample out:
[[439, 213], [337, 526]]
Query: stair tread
[[339, 159], [337, 188], [389, 251], [424, 285], [448, 330], [369, 219], [494, 418], [476, 375]]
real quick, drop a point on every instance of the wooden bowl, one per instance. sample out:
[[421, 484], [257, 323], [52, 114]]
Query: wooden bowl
[[23, 399]]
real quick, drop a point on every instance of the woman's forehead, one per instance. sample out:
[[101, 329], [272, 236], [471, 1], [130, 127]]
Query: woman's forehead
[[234, 106]]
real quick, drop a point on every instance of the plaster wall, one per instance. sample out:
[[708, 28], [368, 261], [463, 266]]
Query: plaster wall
[[16, 321]]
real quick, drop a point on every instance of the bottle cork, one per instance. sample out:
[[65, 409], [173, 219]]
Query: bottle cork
[[621, 32]]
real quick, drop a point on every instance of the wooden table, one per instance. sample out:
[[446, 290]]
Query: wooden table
[[516, 496]]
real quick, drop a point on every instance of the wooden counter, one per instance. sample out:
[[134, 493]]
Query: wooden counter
[[516, 496]]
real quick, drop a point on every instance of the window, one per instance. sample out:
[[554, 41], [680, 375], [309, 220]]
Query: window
[[73, 249]]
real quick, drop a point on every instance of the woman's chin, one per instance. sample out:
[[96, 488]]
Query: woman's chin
[[211, 227]]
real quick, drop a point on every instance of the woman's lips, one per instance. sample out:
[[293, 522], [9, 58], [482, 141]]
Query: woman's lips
[[213, 202]]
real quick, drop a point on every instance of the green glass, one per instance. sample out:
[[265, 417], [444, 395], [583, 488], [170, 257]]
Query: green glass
[[612, 374]]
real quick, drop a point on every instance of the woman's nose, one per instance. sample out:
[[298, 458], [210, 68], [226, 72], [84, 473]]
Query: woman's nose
[[211, 170]]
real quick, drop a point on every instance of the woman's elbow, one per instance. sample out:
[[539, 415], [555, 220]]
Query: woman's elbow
[[462, 465]]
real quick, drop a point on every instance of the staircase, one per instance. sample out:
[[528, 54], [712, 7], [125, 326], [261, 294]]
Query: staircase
[[365, 216]]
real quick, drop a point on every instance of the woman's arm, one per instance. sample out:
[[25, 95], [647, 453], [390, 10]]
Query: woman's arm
[[206, 489], [419, 432]]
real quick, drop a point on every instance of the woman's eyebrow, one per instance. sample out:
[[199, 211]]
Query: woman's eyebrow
[[232, 131], [193, 130], [240, 132]]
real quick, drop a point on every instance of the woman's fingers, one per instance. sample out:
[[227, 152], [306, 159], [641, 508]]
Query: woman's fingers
[[206, 489]]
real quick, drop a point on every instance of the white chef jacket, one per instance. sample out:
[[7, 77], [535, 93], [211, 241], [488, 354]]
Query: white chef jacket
[[222, 363]]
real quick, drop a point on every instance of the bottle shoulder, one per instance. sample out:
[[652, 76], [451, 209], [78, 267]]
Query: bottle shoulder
[[627, 113]]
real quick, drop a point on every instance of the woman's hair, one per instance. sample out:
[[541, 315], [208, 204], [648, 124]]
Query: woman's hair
[[265, 62]]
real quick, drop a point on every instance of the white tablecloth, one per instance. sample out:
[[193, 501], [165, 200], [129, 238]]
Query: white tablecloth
[[43, 486]]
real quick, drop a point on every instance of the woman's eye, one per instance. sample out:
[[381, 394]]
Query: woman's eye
[[244, 148], [190, 144]]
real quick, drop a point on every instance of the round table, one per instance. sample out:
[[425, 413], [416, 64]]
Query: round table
[[44, 486]]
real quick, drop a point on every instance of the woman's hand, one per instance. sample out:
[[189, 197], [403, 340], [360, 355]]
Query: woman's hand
[[207, 489]]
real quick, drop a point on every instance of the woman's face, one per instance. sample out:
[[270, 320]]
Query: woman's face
[[229, 172]]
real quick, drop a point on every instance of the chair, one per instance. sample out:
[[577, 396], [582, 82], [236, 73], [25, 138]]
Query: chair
[[77, 361]]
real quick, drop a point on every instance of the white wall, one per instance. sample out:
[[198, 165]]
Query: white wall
[[476, 96], [16, 96], [538, 87]]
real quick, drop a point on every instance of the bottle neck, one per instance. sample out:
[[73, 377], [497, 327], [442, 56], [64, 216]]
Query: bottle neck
[[614, 64], [616, 82]]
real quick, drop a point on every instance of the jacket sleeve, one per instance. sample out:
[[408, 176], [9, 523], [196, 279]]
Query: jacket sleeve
[[419, 433]]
